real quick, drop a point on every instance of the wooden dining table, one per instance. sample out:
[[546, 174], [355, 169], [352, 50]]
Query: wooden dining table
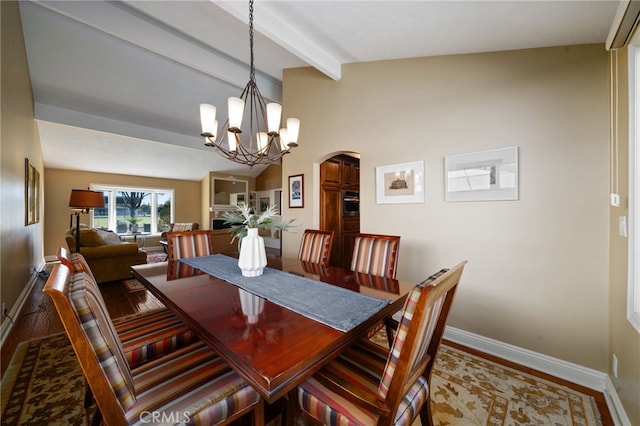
[[272, 347]]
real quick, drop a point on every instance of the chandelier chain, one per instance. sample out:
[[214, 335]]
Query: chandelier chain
[[252, 70], [263, 143]]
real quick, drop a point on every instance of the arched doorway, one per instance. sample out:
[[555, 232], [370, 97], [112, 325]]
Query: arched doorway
[[340, 204]]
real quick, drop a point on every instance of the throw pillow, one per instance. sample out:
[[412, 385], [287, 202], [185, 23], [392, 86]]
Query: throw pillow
[[90, 238], [109, 237]]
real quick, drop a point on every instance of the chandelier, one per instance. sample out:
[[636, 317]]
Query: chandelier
[[265, 142]]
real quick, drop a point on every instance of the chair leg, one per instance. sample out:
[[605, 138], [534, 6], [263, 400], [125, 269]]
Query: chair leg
[[258, 413], [88, 396], [292, 410], [426, 418], [390, 326], [96, 420]]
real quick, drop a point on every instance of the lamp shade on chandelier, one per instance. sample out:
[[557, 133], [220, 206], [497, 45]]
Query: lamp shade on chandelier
[[261, 140]]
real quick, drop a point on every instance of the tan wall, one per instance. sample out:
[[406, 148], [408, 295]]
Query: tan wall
[[624, 340], [270, 178], [20, 245], [537, 275], [59, 184]]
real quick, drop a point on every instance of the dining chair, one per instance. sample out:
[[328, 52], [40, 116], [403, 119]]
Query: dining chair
[[315, 246], [144, 336], [376, 254], [181, 245], [191, 385], [371, 385]]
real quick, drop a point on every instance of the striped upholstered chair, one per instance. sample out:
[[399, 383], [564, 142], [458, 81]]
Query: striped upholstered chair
[[315, 246], [181, 245], [370, 385], [191, 385], [144, 337], [376, 254]]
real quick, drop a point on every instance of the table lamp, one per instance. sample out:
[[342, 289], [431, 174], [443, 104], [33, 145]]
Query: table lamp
[[83, 200]]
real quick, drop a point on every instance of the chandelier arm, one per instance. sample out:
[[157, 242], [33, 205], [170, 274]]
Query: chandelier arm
[[257, 151]]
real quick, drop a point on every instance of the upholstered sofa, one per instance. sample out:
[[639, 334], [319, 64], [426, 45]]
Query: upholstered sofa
[[109, 258]]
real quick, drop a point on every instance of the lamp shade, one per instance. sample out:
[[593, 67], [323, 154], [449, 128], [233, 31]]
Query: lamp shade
[[208, 119], [86, 199], [293, 127], [236, 111], [274, 113]]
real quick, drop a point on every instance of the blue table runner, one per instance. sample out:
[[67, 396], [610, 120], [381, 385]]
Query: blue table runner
[[334, 306]]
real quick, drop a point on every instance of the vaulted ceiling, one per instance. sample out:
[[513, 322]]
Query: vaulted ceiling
[[118, 84]]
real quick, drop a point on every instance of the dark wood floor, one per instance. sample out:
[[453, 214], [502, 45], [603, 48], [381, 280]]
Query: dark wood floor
[[39, 318]]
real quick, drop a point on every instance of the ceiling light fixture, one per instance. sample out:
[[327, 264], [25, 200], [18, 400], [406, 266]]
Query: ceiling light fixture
[[267, 142]]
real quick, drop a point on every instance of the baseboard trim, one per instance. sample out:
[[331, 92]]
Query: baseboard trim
[[615, 405], [574, 373], [7, 324]]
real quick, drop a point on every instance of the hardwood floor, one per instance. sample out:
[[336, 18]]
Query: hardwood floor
[[39, 318]]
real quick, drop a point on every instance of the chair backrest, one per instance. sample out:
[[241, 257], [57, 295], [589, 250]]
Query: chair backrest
[[63, 256], [74, 261], [186, 244], [184, 226], [315, 246], [376, 254], [419, 334], [180, 227], [86, 320]]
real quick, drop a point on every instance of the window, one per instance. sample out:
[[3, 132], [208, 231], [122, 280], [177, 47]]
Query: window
[[134, 209], [633, 297]]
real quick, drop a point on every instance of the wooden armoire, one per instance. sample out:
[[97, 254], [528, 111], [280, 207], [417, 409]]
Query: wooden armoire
[[339, 175]]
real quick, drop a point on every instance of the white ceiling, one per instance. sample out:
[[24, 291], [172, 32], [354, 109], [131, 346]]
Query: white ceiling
[[117, 84]]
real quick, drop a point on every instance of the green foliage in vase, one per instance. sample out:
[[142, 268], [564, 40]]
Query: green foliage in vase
[[243, 218]]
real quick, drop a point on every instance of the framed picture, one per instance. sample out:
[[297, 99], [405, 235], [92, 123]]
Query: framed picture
[[482, 176], [31, 194], [400, 183], [264, 204], [296, 191]]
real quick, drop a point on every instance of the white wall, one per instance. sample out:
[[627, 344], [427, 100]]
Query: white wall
[[537, 274]]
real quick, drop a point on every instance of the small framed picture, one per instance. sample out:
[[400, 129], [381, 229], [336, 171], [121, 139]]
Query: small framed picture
[[31, 194], [482, 176], [264, 204], [296, 191], [400, 183]]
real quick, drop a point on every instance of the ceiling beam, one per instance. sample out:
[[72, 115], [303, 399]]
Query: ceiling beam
[[118, 21], [269, 24], [624, 24]]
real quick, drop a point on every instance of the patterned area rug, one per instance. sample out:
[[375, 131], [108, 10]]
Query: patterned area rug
[[470, 390], [44, 385], [156, 256]]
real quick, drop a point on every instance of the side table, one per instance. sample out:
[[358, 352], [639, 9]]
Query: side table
[[135, 235]]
